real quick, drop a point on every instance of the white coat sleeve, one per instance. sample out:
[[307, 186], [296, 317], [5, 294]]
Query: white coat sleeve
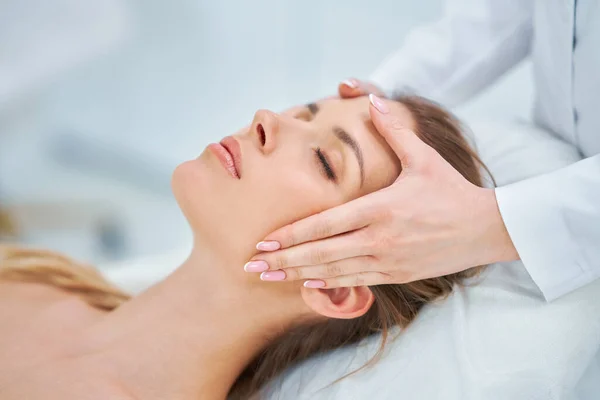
[[554, 223], [454, 58]]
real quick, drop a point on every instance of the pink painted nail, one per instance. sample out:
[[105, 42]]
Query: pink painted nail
[[268, 245], [350, 83], [273, 276], [379, 104], [314, 284], [256, 266]]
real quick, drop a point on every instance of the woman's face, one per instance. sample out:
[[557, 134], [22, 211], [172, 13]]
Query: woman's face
[[288, 167]]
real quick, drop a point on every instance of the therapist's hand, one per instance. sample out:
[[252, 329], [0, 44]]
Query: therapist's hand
[[430, 222], [354, 88]]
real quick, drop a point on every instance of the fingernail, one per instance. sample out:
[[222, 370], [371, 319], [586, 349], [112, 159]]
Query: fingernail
[[378, 104], [350, 83], [273, 276], [314, 284], [256, 266], [268, 245]]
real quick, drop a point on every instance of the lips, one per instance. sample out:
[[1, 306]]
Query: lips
[[229, 154]]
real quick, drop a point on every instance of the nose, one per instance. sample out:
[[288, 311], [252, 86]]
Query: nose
[[265, 128]]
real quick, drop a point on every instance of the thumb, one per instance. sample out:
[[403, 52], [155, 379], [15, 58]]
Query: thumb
[[409, 148]]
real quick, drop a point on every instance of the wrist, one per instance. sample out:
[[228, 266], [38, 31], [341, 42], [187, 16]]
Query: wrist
[[497, 244]]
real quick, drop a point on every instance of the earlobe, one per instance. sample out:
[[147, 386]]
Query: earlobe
[[341, 303]]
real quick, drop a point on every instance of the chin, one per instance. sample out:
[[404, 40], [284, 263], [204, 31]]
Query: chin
[[203, 191], [191, 186]]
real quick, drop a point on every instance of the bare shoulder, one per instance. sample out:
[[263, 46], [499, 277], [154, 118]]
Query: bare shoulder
[[39, 312], [21, 303], [38, 322], [63, 381]]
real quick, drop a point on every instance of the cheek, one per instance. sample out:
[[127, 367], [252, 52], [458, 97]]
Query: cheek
[[271, 194], [205, 192], [286, 195]]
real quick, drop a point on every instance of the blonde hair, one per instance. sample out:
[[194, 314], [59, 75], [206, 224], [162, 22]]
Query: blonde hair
[[20, 264]]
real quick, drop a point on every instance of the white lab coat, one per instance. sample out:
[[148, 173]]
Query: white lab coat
[[553, 219]]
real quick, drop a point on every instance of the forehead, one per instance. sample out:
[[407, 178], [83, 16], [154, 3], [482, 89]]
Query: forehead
[[381, 164], [335, 108]]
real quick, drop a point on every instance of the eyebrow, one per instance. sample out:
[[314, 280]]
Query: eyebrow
[[353, 144], [347, 139]]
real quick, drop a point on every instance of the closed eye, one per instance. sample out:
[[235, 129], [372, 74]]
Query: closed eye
[[325, 165]]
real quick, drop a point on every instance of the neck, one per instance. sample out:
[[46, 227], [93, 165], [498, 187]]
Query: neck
[[194, 333]]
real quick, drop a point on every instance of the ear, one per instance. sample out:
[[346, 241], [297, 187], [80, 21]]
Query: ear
[[341, 303]]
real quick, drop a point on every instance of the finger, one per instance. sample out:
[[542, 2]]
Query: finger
[[314, 253], [409, 148], [347, 217], [360, 279], [351, 88], [347, 266]]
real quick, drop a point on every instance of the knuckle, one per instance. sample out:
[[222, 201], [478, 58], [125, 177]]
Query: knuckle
[[378, 211], [319, 256], [384, 243], [291, 233], [385, 213], [366, 238], [322, 230], [323, 227], [280, 261], [396, 124], [367, 212], [333, 269], [371, 244]]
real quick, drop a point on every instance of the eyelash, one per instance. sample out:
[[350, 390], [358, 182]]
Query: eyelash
[[321, 157], [325, 165]]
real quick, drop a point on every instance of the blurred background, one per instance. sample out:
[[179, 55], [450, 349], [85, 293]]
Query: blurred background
[[99, 101]]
